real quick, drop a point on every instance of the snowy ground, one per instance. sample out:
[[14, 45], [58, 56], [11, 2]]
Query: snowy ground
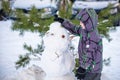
[[112, 50], [11, 45]]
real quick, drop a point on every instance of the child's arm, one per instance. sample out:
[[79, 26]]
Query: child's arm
[[74, 29], [69, 26]]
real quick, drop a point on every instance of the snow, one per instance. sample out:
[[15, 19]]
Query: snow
[[31, 73], [11, 45], [27, 4], [92, 4], [111, 49]]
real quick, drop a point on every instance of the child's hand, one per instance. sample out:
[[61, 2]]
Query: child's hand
[[56, 18], [80, 73], [82, 25]]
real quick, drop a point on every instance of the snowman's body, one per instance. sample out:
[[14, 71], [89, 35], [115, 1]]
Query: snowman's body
[[57, 60]]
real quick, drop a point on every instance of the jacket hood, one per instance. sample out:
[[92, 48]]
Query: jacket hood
[[89, 17]]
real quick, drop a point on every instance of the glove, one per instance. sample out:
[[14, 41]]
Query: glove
[[61, 20], [80, 73]]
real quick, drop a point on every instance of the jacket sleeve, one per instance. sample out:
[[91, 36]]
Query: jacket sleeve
[[71, 27]]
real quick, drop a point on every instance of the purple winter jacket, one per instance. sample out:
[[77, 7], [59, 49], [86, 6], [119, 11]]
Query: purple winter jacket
[[90, 43]]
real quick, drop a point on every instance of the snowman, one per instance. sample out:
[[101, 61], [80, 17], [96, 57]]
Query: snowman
[[57, 60]]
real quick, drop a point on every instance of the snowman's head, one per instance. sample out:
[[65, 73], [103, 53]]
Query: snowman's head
[[56, 37], [57, 30]]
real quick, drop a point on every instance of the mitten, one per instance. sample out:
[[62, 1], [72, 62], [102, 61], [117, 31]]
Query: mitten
[[80, 73], [61, 20]]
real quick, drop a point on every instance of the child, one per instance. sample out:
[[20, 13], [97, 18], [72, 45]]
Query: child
[[90, 44]]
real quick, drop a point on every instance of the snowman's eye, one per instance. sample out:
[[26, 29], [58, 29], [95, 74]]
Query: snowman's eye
[[63, 36], [52, 34]]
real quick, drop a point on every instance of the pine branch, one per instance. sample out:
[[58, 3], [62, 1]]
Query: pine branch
[[25, 59], [31, 21]]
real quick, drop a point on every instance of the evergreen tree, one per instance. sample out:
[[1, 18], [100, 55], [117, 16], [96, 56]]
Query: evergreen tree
[[107, 21], [6, 5], [31, 21], [4, 9]]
